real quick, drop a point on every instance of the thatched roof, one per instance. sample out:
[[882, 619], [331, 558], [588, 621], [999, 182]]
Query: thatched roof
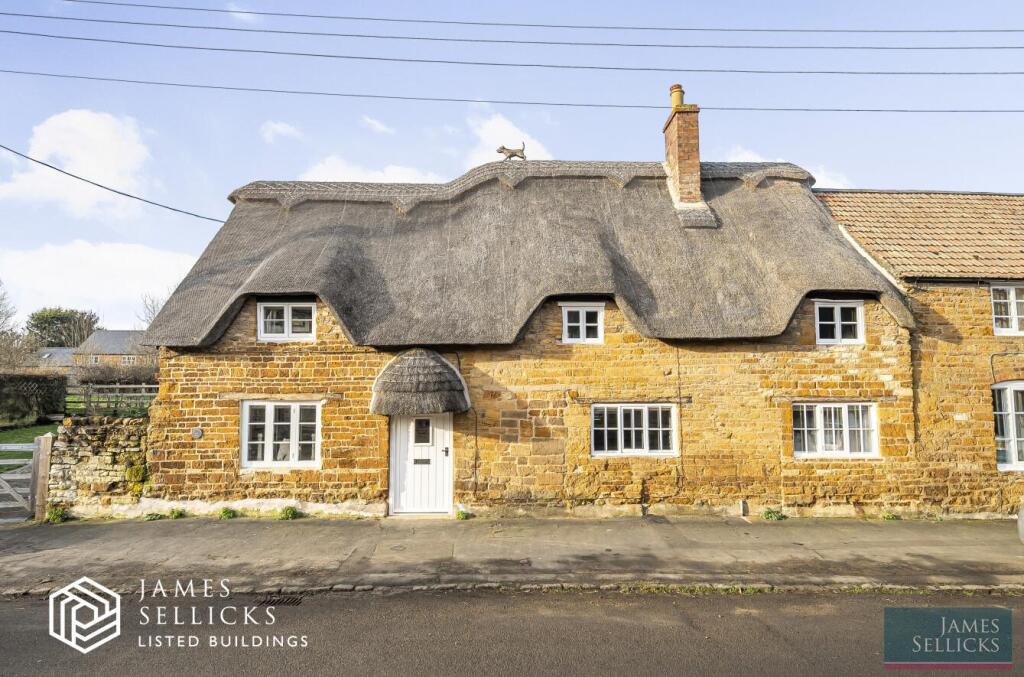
[[419, 382], [469, 261]]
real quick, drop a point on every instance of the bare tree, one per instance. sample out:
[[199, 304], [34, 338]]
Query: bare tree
[[151, 305], [79, 328], [16, 349], [15, 346], [7, 311]]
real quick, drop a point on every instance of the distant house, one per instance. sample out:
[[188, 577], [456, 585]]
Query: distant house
[[49, 361], [114, 348]]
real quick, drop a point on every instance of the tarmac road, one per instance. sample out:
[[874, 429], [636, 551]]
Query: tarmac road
[[483, 633]]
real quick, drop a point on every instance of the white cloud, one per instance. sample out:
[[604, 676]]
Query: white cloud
[[336, 168], [823, 177], [98, 146], [238, 12], [826, 178], [741, 154], [271, 130], [375, 125], [106, 277], [495, 130], [489, 129]]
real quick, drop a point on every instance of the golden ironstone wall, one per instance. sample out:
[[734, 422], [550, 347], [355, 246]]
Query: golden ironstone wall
[[956, 360], [526, 442], [112, 361]]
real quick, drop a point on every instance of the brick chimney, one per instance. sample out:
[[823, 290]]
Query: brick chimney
[[682, 150]]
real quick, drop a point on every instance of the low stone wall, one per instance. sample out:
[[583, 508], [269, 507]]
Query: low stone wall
[[98, 462], [25, 398], [98, 467]]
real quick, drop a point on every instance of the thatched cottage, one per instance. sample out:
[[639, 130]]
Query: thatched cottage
[[598, 337]]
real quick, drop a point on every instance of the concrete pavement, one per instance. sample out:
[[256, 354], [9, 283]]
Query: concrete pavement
[[310, 554]]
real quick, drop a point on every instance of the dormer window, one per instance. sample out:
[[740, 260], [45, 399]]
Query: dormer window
[[280, 322], [839, 322], [582, 322], [1008, 310]]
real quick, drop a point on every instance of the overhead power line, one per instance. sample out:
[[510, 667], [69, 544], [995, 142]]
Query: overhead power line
[[450, 22], [508, 102], [503, 41], [501, 64], [108, 188]]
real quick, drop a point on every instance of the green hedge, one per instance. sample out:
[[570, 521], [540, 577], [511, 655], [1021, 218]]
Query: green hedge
[[25, 398]]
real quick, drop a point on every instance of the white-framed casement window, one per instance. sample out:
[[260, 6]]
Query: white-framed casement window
[[94, 360], [280, 434], [1008, 408], [129, 360], [839, 322], [633, 429], [1008, 310], [582, 322], [831, 430], [286, 321]]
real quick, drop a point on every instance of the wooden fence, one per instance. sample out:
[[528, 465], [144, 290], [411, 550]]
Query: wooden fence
[[109, 400]]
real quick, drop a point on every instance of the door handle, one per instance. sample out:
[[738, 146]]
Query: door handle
[[445, 450]]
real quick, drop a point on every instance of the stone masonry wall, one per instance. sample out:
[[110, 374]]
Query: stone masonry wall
[[957, 359], [205, 388], [112, 360], [98, 462], [526, 442]]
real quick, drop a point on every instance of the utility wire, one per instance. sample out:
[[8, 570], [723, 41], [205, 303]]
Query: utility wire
[[508, 102], [705, 29], [499, 41], [108, 188], [499, 64]]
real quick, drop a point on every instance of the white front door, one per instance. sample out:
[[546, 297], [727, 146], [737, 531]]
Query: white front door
[[421, 464]]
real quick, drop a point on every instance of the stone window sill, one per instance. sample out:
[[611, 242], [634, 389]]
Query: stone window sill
[[835, 457], [640, 455], [281, 469]]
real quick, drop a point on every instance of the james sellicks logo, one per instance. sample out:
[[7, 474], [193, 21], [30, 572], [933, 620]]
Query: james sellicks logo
[[957, 637], [85, 614]]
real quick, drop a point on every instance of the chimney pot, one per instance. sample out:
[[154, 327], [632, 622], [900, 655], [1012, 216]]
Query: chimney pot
[[682, 150], [676, 93]]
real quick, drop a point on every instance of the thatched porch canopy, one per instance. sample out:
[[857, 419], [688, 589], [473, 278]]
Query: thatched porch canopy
[[419, 382]]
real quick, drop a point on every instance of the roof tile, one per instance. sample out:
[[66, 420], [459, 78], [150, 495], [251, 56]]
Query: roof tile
[[935, 235]]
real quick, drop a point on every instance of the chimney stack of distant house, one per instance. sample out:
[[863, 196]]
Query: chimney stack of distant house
[[682, 150]]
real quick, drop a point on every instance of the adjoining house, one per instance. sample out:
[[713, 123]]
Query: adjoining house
[[600, 337], [114, 348], [960, 258]]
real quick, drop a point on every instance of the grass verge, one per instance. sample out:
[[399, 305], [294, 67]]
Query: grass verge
[[25, 435]]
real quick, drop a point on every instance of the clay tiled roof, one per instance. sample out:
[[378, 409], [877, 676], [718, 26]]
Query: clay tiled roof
[[935, 235]]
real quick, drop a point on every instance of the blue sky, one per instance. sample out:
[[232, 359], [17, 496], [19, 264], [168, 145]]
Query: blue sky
[[73, 245]]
